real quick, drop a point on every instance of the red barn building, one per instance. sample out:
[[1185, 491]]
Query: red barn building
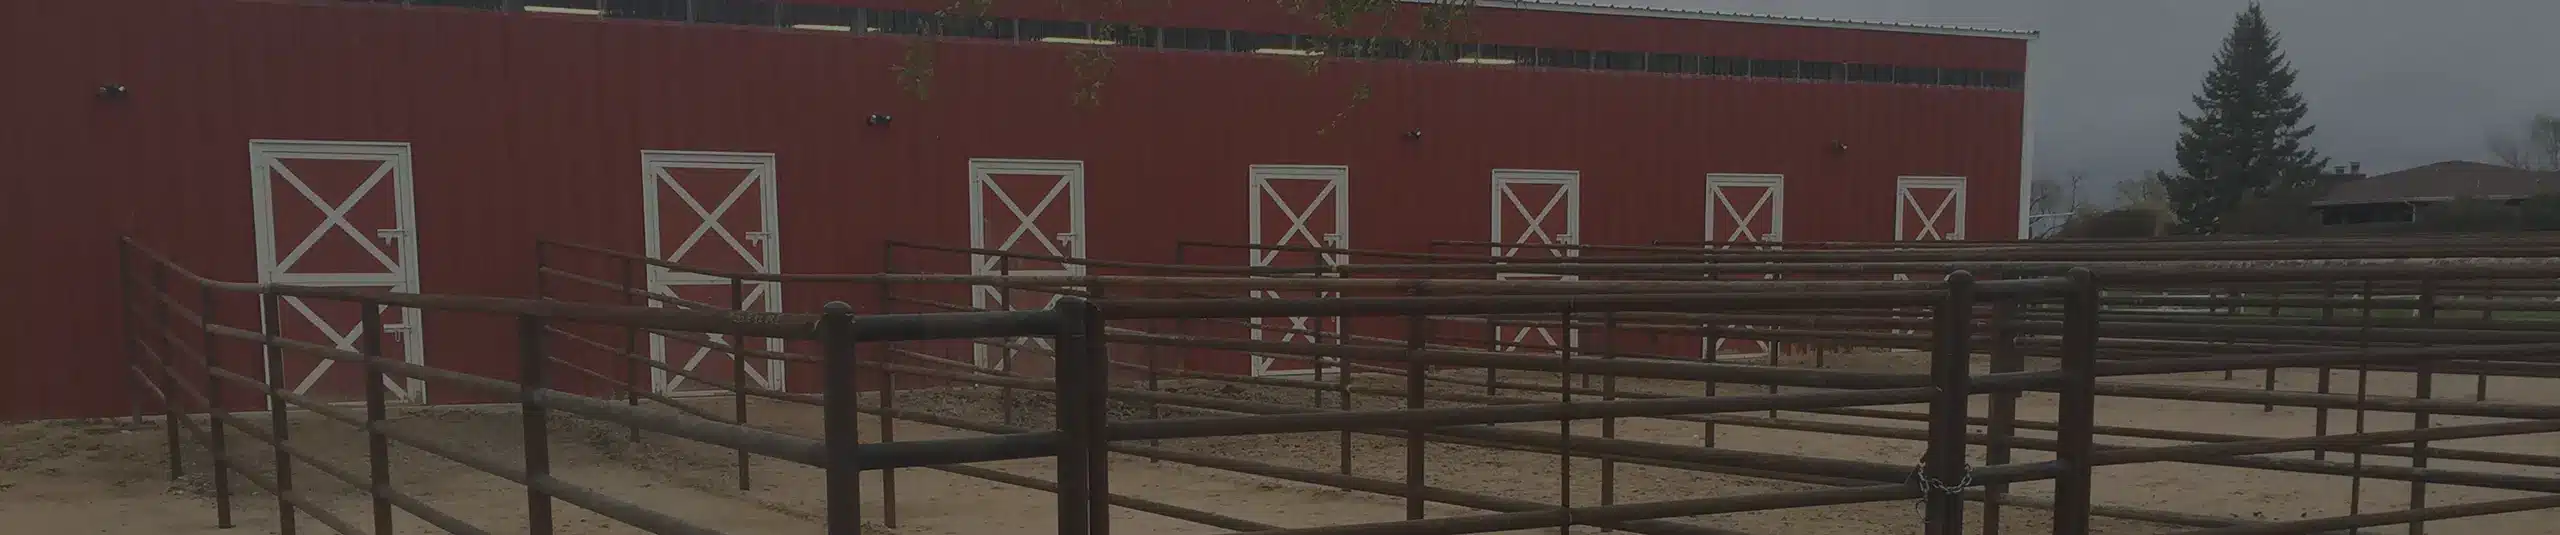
[[427, 147]]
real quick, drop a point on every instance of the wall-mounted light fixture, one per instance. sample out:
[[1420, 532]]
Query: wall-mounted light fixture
[[1413, 134], [112, 91], [878, 120]]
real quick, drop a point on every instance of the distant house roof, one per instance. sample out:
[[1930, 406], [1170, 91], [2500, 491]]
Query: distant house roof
[[2443, 181]]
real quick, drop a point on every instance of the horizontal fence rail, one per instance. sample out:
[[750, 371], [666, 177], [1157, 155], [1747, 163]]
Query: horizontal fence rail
[[1445, 348]]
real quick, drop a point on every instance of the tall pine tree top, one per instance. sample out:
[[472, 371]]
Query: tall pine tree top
[[2247, 138]]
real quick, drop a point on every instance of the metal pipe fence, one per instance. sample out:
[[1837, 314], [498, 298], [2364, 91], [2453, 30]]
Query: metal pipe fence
[[2052, 318]]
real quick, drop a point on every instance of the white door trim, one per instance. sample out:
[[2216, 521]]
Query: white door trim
[[1722, 212], [762, 177], [1070, 185], [1568, 197], [401, 263], [1931, 216], [1025, 222], [1721, 209], [1336, 190]]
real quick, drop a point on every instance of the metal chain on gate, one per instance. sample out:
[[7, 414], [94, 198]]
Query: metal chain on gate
[[1920, 478]]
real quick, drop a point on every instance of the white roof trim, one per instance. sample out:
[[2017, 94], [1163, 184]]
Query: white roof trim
[[1751, 18]]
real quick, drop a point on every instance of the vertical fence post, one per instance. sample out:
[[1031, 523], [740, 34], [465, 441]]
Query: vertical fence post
[[2480, 391], [1096, 405], [1564, 426], [1181, 327], [1417, 334], [1075, 470], [170, 411], [2230, 307], [738, 372], [2004, 406], [1493, 342], [1946, 476], [888, 391], [215, 414], [277, 422], [1707, 354], [533, 375], [2320, 415], [843, 426], [2275, 310], [1609, 392], [377, 445], [2076, 416], [2426, 390], [631, 356], [2364, 383], [132, 333], [1004, 301], [1342, 379]]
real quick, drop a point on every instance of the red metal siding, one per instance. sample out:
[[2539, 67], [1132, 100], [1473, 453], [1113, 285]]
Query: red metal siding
[[527, 127]]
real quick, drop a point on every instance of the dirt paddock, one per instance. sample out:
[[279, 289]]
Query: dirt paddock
[[69, 477]]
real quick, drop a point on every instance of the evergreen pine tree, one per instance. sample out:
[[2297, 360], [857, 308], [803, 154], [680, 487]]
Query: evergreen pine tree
[[2246, 139]]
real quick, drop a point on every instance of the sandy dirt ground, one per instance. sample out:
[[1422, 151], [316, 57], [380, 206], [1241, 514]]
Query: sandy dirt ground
[[70, 477]]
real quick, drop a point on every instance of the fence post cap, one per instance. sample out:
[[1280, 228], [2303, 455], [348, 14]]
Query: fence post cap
[[837, 307]]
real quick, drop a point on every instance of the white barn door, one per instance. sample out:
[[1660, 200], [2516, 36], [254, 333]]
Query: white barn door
[[1744, 210], [1928, 209], [1300, 206], [1535, 207], [1029, 207], [339, 214], [718, 211]]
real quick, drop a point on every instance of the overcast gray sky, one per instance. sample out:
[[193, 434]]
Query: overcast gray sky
[[2392, 83]]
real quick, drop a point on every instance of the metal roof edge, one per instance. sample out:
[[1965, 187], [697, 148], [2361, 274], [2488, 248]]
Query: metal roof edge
[[1751, 18]]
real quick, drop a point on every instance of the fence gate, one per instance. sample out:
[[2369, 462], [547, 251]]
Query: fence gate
[[719, 211], [1743, 210], [1300, 206], [339, 214], [1028, 207], [1535, 208]]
